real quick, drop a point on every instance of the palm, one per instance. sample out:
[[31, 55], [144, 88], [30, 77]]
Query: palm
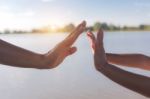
[[64, 49], [98, 49], [59, 53]]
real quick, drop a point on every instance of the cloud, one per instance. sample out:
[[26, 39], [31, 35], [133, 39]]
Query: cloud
[[4, 7], [27, 14], [13, 20]]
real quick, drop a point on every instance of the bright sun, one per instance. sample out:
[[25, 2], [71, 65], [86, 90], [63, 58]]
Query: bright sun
[[10, 20]]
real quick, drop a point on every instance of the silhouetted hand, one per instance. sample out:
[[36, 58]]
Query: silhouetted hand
[[132, 81], [97, 48], [54, 57]]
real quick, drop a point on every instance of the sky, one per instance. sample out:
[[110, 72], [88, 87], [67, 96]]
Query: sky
[[28, 14]]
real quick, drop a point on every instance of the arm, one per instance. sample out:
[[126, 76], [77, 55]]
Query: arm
[[135, 82], [15, 56], [19, 57], [130, 60]]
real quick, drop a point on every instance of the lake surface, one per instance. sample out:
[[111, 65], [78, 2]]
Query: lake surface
[[76, 77]]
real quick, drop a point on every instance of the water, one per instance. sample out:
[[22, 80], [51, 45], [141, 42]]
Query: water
[[76, 77]]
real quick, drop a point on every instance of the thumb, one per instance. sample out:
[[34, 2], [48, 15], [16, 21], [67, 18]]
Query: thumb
[[72, 50], [92, 40]]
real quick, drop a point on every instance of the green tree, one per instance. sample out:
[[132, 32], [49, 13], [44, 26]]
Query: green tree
[[97, 26], [104, 26], [69, 27], [7, 31], [113, 27], [142, 27]]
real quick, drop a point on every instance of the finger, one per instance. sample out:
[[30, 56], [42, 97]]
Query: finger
[[91, 36], [99, 42], [79, 29], [92, 39], [100, 35], [74, 35]]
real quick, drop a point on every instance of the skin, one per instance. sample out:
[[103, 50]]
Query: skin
[[130, 60], [19, 57], [134, 82]]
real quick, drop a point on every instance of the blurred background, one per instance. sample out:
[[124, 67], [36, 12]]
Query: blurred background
[[38, 25]]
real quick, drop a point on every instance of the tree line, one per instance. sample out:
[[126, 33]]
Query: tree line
[[94, 27]]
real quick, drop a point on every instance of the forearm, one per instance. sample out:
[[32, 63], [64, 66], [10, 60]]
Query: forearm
[[19, 57], [135, 82], [131, 60]]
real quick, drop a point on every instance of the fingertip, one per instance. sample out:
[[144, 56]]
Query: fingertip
[[88, 33], [83, 22], [82, 25], [89, 36]]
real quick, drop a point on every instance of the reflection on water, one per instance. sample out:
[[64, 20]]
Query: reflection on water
[[76, 78]]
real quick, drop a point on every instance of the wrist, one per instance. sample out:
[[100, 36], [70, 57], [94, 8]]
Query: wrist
[[101, 66], [49, 60], [43, 62]]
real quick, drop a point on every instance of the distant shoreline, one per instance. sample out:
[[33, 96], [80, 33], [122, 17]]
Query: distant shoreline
[[126, 31], [69, 27]]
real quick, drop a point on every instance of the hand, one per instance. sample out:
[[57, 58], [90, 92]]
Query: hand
[[56, 56], [97, 48]]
